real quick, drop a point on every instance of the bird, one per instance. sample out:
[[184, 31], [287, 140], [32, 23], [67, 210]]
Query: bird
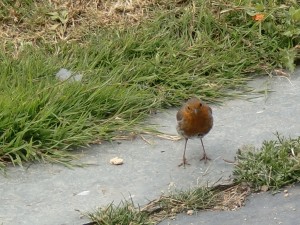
[[194, 119]]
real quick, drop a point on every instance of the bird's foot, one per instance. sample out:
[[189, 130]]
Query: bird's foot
[[184, 162], [205, 158]]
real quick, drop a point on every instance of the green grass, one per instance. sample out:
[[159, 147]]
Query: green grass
[[41, 117], [193, 49], [124, 213], [274, 165], [166, 206]]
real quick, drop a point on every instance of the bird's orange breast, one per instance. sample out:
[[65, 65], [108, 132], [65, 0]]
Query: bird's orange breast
[[195, 123]]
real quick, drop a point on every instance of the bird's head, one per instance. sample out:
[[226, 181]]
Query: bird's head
[[194, 105]]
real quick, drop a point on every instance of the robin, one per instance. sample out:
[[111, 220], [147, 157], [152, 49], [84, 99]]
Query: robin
[[194, 120]]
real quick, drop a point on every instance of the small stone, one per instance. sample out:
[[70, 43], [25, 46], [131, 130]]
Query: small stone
[[285, 191], [264, 188], [116, 161], [286, 195], [190, 212]]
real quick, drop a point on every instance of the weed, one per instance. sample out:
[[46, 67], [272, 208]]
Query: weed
[[273, 166], [200, 198], [124, 213]]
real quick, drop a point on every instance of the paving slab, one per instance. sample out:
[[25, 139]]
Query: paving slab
[[46, 194]]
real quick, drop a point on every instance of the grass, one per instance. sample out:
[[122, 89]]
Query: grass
[[202, 198], [134, 57], [273, 166], [124, 213]]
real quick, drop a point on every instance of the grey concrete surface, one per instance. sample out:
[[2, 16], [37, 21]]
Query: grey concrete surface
[[46, 194]]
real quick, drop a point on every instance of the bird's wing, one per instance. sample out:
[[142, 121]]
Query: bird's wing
[[210, 110], [179, 115]]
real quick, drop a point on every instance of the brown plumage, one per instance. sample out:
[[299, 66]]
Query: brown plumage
[[194, 119]]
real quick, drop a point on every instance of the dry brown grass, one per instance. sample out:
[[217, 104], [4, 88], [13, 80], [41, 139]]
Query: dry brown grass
[[51, 21], [222, 197], [232, 197]]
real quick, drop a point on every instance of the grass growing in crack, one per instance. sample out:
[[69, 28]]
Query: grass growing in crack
[[200, 198], [178, 50], [155, 211], [181, 201], [273, 166], [124, 213]]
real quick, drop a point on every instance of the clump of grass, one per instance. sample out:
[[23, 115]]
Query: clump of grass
[[219, 197], [274, 165], [124, 213], [200, 198]]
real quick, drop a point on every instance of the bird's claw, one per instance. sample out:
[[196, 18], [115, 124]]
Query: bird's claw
[[184, 162], [205, 158]]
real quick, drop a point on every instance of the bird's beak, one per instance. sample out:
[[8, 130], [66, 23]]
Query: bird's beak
[[196, 111]]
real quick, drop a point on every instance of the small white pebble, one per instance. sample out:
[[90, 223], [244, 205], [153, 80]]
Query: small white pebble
[[190, 212], [116, 161], [285, 191], [286, 195]]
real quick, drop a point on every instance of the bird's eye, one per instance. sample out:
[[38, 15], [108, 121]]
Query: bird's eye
[[200, 104], [189, 108]]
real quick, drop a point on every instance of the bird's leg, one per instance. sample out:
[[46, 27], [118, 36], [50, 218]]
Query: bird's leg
[[184, 161], [205, 157]]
